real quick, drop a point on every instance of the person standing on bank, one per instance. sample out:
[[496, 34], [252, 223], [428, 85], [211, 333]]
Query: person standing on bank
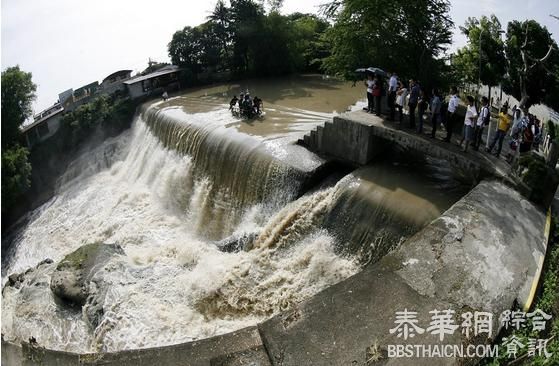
[[401, 100], [469, 121], [377, 93], [452, 114], [412, 103], [422, 105], [369, 83], [392, 88], [436, 105], [482, 121], [504, 125]]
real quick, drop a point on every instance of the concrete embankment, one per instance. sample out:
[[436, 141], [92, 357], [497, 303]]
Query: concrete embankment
[[483, 254], [359, 137]]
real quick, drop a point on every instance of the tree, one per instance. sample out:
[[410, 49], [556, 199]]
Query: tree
[[483, 62], [403, 35], [533, 64], [247, 19], [16, 171], [308, 45], [185, 48], [18, 94], [221, 18], [247, 41]]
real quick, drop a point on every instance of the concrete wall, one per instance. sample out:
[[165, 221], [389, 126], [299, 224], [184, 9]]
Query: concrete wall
[[358, 137], [135, 90], [483, 254], [345, 140], [33, 135]]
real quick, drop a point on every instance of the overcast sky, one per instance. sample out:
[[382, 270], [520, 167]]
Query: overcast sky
[[69, 43]]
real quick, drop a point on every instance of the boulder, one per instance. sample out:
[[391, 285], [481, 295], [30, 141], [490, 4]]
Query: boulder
[[236, 243], [70, 280]]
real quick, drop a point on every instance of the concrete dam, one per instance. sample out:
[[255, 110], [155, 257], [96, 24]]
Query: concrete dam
[[204, 240]]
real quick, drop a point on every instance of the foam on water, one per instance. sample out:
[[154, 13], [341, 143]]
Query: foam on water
[[173, 285]]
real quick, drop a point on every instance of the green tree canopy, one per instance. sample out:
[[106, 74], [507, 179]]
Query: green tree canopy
[[483, 61], [16, 171], [18, 94], [533, 59], [246, 40], [407, 36]]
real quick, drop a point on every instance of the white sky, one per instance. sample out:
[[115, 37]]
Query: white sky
[[69, 43]]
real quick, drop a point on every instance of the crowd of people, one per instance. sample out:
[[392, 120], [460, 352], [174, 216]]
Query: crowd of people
[[420, 105], [245, 106]]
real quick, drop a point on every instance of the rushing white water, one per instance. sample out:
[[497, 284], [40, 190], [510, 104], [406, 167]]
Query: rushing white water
[[173, 285], [182, 178]]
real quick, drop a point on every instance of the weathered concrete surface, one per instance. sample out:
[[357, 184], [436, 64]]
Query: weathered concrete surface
[[346, 140], [481, 255], [243, 347], [358, 137], [11, 354]]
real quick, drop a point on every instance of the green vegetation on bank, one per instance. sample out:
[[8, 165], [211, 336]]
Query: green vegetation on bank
[[547, 301], [18, 94], [113, 115], [29, 173], [16, 173]]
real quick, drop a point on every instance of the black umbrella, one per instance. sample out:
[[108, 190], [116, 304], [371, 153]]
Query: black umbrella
[[372, 70]]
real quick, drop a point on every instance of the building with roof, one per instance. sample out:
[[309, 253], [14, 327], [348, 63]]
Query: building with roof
[[114, 83], [164, 79], [72, 99], [44, 125]]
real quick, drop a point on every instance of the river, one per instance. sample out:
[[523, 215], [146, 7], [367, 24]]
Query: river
[[187, 176]]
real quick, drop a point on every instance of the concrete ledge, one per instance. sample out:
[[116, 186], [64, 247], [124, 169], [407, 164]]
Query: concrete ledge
[[358, 137], [481, 255], [232, 349]]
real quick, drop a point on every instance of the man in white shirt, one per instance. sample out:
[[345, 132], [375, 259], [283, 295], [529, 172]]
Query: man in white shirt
[[392, 88], [452, 116], [482, 121], [469, 121]]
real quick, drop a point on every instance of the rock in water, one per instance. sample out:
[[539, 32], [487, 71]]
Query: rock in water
[[236, 243], [71, 278]]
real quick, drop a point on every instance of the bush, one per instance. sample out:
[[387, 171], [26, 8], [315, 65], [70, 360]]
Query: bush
[[16, 171], [538, 177], [113, 115]]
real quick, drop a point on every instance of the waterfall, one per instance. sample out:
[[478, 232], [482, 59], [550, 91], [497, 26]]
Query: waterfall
[[166, 191]]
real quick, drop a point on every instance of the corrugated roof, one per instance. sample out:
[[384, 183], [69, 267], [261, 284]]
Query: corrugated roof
[[152, 75]]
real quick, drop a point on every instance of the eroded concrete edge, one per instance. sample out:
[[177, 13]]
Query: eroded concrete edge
[[478, 256]]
